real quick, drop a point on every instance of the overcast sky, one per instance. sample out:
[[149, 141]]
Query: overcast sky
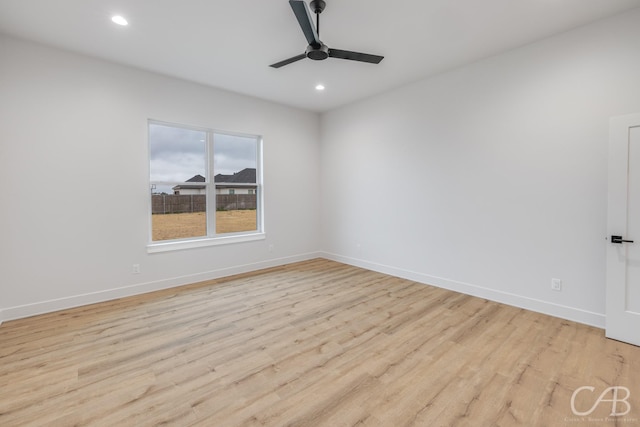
[[178, 154]]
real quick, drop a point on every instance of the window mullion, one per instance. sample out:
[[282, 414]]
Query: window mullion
[[211, 187], [259, 187]]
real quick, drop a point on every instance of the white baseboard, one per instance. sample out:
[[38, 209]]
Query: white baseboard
[[564, 312], [556, 310], [28, 310]]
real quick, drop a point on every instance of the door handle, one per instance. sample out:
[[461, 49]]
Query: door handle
[[620, 240]]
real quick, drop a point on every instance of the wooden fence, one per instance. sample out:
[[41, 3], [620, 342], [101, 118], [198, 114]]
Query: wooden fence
[[172, 203]]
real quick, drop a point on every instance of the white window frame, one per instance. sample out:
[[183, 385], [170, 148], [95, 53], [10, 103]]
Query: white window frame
[[211, 239]]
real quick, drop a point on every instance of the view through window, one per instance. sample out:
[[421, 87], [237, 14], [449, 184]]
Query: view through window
[[203, 183]]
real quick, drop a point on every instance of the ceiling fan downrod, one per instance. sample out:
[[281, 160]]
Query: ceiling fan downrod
[[317, 6]]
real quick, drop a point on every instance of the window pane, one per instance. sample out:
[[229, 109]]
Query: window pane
[[178, 216], [178, 188], [232, 154], [179, 226], [236, 213], [176, 154], [235, 160]]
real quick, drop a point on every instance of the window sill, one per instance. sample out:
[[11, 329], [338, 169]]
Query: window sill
[[204, 242]]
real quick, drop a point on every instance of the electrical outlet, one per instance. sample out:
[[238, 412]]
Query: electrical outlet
[[271, 248], [135, 269], [556, 285]]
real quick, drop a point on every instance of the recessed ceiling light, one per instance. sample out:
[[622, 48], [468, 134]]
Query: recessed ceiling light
[[119, 20], [319, 87]]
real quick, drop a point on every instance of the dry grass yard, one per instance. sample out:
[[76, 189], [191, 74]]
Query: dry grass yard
[[315, 343], [179, 226]]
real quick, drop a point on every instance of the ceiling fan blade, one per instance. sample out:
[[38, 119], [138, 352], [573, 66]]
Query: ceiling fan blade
[[355, 56], [305, 20], [288, 61]]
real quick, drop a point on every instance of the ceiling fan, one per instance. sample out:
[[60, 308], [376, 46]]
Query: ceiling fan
[[316, 49]]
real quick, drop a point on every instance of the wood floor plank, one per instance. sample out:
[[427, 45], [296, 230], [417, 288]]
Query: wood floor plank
[[316, 343]]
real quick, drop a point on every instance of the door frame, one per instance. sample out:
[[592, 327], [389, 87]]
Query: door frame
[[617, 317]]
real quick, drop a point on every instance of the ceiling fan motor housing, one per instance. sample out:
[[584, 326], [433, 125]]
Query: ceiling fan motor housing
[[317, 6], [317, 53]]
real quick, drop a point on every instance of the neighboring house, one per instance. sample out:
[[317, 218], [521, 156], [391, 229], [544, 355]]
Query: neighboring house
[[243, 182], [186, 189]]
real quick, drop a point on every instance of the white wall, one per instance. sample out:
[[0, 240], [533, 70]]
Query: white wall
[[490, 179], [74, 172]]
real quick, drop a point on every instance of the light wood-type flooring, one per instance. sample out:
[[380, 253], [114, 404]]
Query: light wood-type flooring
[[316, 343]]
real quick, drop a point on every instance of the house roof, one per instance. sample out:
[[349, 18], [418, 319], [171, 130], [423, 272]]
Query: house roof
[[245, 176], [197, 178]]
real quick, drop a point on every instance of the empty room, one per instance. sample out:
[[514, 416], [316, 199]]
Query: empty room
[[320, 213]]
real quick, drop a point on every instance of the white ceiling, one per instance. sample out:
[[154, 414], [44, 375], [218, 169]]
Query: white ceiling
[[230, 44]]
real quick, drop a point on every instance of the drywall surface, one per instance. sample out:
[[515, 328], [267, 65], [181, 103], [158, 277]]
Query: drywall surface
[[74, 167], [489, 179]]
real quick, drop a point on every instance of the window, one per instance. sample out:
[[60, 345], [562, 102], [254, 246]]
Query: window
[[205, 186]]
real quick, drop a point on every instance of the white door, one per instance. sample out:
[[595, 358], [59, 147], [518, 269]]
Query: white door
[[623, 258]]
